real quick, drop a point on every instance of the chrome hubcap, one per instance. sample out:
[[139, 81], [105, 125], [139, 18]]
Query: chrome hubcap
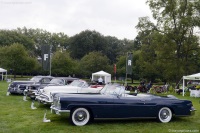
[[80, 116], [164, 114]]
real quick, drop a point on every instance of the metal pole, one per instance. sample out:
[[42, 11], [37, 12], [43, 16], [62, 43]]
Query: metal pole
[[115, 69], [50, 60], [126, 70], [183, 86]]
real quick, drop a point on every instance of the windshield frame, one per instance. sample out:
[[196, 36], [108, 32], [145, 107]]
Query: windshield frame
[[57, 81], [36, 79], [79, 83], [113, 89]]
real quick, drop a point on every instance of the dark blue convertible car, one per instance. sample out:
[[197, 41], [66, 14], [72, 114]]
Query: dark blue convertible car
[[114, 102]]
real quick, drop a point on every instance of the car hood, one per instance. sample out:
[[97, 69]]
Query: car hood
[[23, 82], [53, 84], [15, 83], [49, 89], [69, 89]]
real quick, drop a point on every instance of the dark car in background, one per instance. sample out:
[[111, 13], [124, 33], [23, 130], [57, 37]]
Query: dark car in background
[[18, 87], [32, 90], [112, 103]]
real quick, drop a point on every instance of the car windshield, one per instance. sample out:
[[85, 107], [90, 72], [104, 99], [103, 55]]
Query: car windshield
[[77, 83], [56, 81], [36, 79], [113, 89]]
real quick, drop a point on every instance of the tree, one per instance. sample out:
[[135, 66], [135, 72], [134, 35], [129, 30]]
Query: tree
[[93, 62], [149, 67], [114, 48], [16, 57], [40, 37], [121, 66], [62, 64], [171, 40], [85, 42], [8, 37], [89, 41]]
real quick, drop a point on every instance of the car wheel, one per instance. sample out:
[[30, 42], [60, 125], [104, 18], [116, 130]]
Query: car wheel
[[165, 115], [80, 116]]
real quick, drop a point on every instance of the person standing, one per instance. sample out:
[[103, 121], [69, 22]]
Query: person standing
[[100, 81]]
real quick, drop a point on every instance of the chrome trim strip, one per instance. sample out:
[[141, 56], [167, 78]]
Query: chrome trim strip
[[126, 118], [58, 110], [43, 99]]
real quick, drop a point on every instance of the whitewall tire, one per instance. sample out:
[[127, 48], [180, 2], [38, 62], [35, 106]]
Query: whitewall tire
[[165, 115], [80, 116]]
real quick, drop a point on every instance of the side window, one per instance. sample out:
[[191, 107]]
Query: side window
[[61, 82], [80, 84], [85, 85], [119, 90], [46, 80], [68, 82]]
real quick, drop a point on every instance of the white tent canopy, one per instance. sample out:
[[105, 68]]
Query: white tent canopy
[[3, 71], [106, 76], [190, 77]]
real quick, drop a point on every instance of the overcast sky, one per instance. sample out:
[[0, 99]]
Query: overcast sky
[[109, 17]]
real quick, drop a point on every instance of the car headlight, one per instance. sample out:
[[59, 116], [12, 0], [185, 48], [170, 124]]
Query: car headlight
[[58, 103], [41, 90], [51, 96]]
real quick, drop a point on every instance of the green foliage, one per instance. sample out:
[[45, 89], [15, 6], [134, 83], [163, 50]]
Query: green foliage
[[93, 62], [8, 37], [170, 49], [121, 66], [85, 42], [78, 46], [40, 37], [115, 47], [16, 57], [62, 64], [88, 41]]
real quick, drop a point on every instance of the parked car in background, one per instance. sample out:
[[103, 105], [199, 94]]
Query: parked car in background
[[113, 102], [77, 86], [18, 87], [32, 90]]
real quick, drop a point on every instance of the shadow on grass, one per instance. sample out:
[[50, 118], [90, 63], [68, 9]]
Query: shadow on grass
[[64, 119]]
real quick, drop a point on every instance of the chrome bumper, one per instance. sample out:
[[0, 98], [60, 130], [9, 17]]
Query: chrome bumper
[[43, 100], [15, 90], [192, 111], [58, 110]]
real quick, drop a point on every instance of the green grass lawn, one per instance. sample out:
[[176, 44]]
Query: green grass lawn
[[16, 116]]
